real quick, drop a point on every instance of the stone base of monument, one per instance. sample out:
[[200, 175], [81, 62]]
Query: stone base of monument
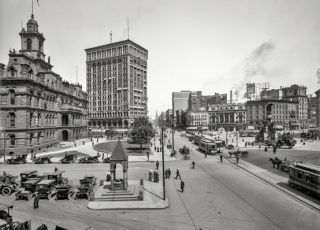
[[148, 196]]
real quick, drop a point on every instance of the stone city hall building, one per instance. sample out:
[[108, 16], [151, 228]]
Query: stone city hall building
[[37, 108], [116, 85]]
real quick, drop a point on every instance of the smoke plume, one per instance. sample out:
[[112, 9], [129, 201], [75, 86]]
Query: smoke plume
[[254, 65]]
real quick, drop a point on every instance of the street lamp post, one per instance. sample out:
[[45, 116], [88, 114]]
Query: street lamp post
[[163, 178]]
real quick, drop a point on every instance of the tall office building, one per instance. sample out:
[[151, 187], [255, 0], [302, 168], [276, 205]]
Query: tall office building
[[116, 85]]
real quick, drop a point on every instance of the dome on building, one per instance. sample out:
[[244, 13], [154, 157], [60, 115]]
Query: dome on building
[[32, 25]]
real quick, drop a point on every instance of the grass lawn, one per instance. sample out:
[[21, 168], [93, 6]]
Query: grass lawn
[[130, 149]]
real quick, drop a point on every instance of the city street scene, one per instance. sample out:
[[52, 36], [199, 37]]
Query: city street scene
[[167, 114]]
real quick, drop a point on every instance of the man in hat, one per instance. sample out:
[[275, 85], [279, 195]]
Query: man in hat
[[36, 200]]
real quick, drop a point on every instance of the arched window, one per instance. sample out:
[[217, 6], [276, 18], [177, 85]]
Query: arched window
[[12, 97], [29, 44], [12, 139], [12, 119]]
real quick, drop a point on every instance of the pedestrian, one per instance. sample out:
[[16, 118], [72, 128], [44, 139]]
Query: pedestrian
[[274, 149], [205, 154], [55, 169], [182, 185], [83, 142], [155, 148], [245, 144], [177, 174], [252, 144], [259, 147], [237, 158], [157, 164], [148, 155], [102, 156], [169, 173], [265, 149], [36, 200], [92, 143], [193, 164], [221, 158], [166, 173], [97, 139]]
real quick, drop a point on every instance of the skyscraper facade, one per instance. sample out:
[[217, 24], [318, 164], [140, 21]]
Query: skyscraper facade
[[116, 85]]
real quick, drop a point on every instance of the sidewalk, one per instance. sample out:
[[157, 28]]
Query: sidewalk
[[87, 149], [270, 178]]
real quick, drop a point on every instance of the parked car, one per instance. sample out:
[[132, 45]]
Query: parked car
[[69, 158], [16, 160], [31, 184], [242, 153], [231, 147], [42, 160], [5, 217], [57, 177], [64, 192], [26, 175], [23, 195], [90, 178], [106, 160], [282, 143], [90, 159], [46, 189], [86, 187]]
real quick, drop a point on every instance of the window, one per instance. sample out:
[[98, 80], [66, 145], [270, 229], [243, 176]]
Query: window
[[12, 97], [12, 138], [29, 44], [12, 120]]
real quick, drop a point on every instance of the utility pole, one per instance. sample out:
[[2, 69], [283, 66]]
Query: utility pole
[[172, 135], [163, 178], [4, 146]]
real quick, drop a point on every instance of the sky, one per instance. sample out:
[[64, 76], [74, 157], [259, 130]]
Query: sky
[[210, 45]]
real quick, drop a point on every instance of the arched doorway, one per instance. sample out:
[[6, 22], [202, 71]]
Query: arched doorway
[[64, 135]]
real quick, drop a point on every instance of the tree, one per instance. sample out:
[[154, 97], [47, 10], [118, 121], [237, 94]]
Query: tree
[[142, 131]]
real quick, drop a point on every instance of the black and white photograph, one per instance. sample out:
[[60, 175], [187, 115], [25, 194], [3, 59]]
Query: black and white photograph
[[160, 114]]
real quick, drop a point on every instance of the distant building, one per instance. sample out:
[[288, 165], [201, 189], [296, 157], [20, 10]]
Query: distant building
[[293, 93], [318, 108], [180, 101], [37, 107], [284, 113], [198, 119], [312, 112], [116, 85], [231, 117], [196, 97], [216, 99]]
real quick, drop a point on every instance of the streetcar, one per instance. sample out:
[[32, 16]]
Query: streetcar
[[305, 176], [197, 138], [207, 146]]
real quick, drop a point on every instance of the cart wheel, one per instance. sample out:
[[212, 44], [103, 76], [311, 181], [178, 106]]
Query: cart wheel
[[6, 191]]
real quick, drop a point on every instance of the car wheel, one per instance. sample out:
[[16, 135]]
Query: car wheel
[[6, 191], [21, 162], [46, 162], [7, 162]]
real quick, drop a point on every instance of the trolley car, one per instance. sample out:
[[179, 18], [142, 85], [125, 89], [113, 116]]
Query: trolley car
[[305, 176], [207, 146]]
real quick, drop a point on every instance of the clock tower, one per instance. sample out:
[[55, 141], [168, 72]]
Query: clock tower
[[32, 41]]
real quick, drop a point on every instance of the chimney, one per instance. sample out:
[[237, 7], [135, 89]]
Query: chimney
[[230, 96]]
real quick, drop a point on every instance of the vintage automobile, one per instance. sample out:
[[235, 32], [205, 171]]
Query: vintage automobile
[[230, 147], [23, 195], [106, 160], [64, 192], [90, 178], [31, 184], [57, 177], [68, 158], [86, 188], [5, 217], [16, 160], [285, 143], [242, 153], [7, 188], [90, 159], [42, 160], [46, 189], [26, 175]]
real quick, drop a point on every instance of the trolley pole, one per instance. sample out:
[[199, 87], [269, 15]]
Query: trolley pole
[[163, 178]]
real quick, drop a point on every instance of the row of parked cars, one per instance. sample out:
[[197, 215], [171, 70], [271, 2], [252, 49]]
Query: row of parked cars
[[67, 159], [47, 186]]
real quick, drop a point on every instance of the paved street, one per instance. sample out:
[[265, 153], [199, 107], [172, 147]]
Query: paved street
[[217, 196]]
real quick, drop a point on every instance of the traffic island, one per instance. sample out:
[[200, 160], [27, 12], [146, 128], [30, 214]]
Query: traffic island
[[136, 196]]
